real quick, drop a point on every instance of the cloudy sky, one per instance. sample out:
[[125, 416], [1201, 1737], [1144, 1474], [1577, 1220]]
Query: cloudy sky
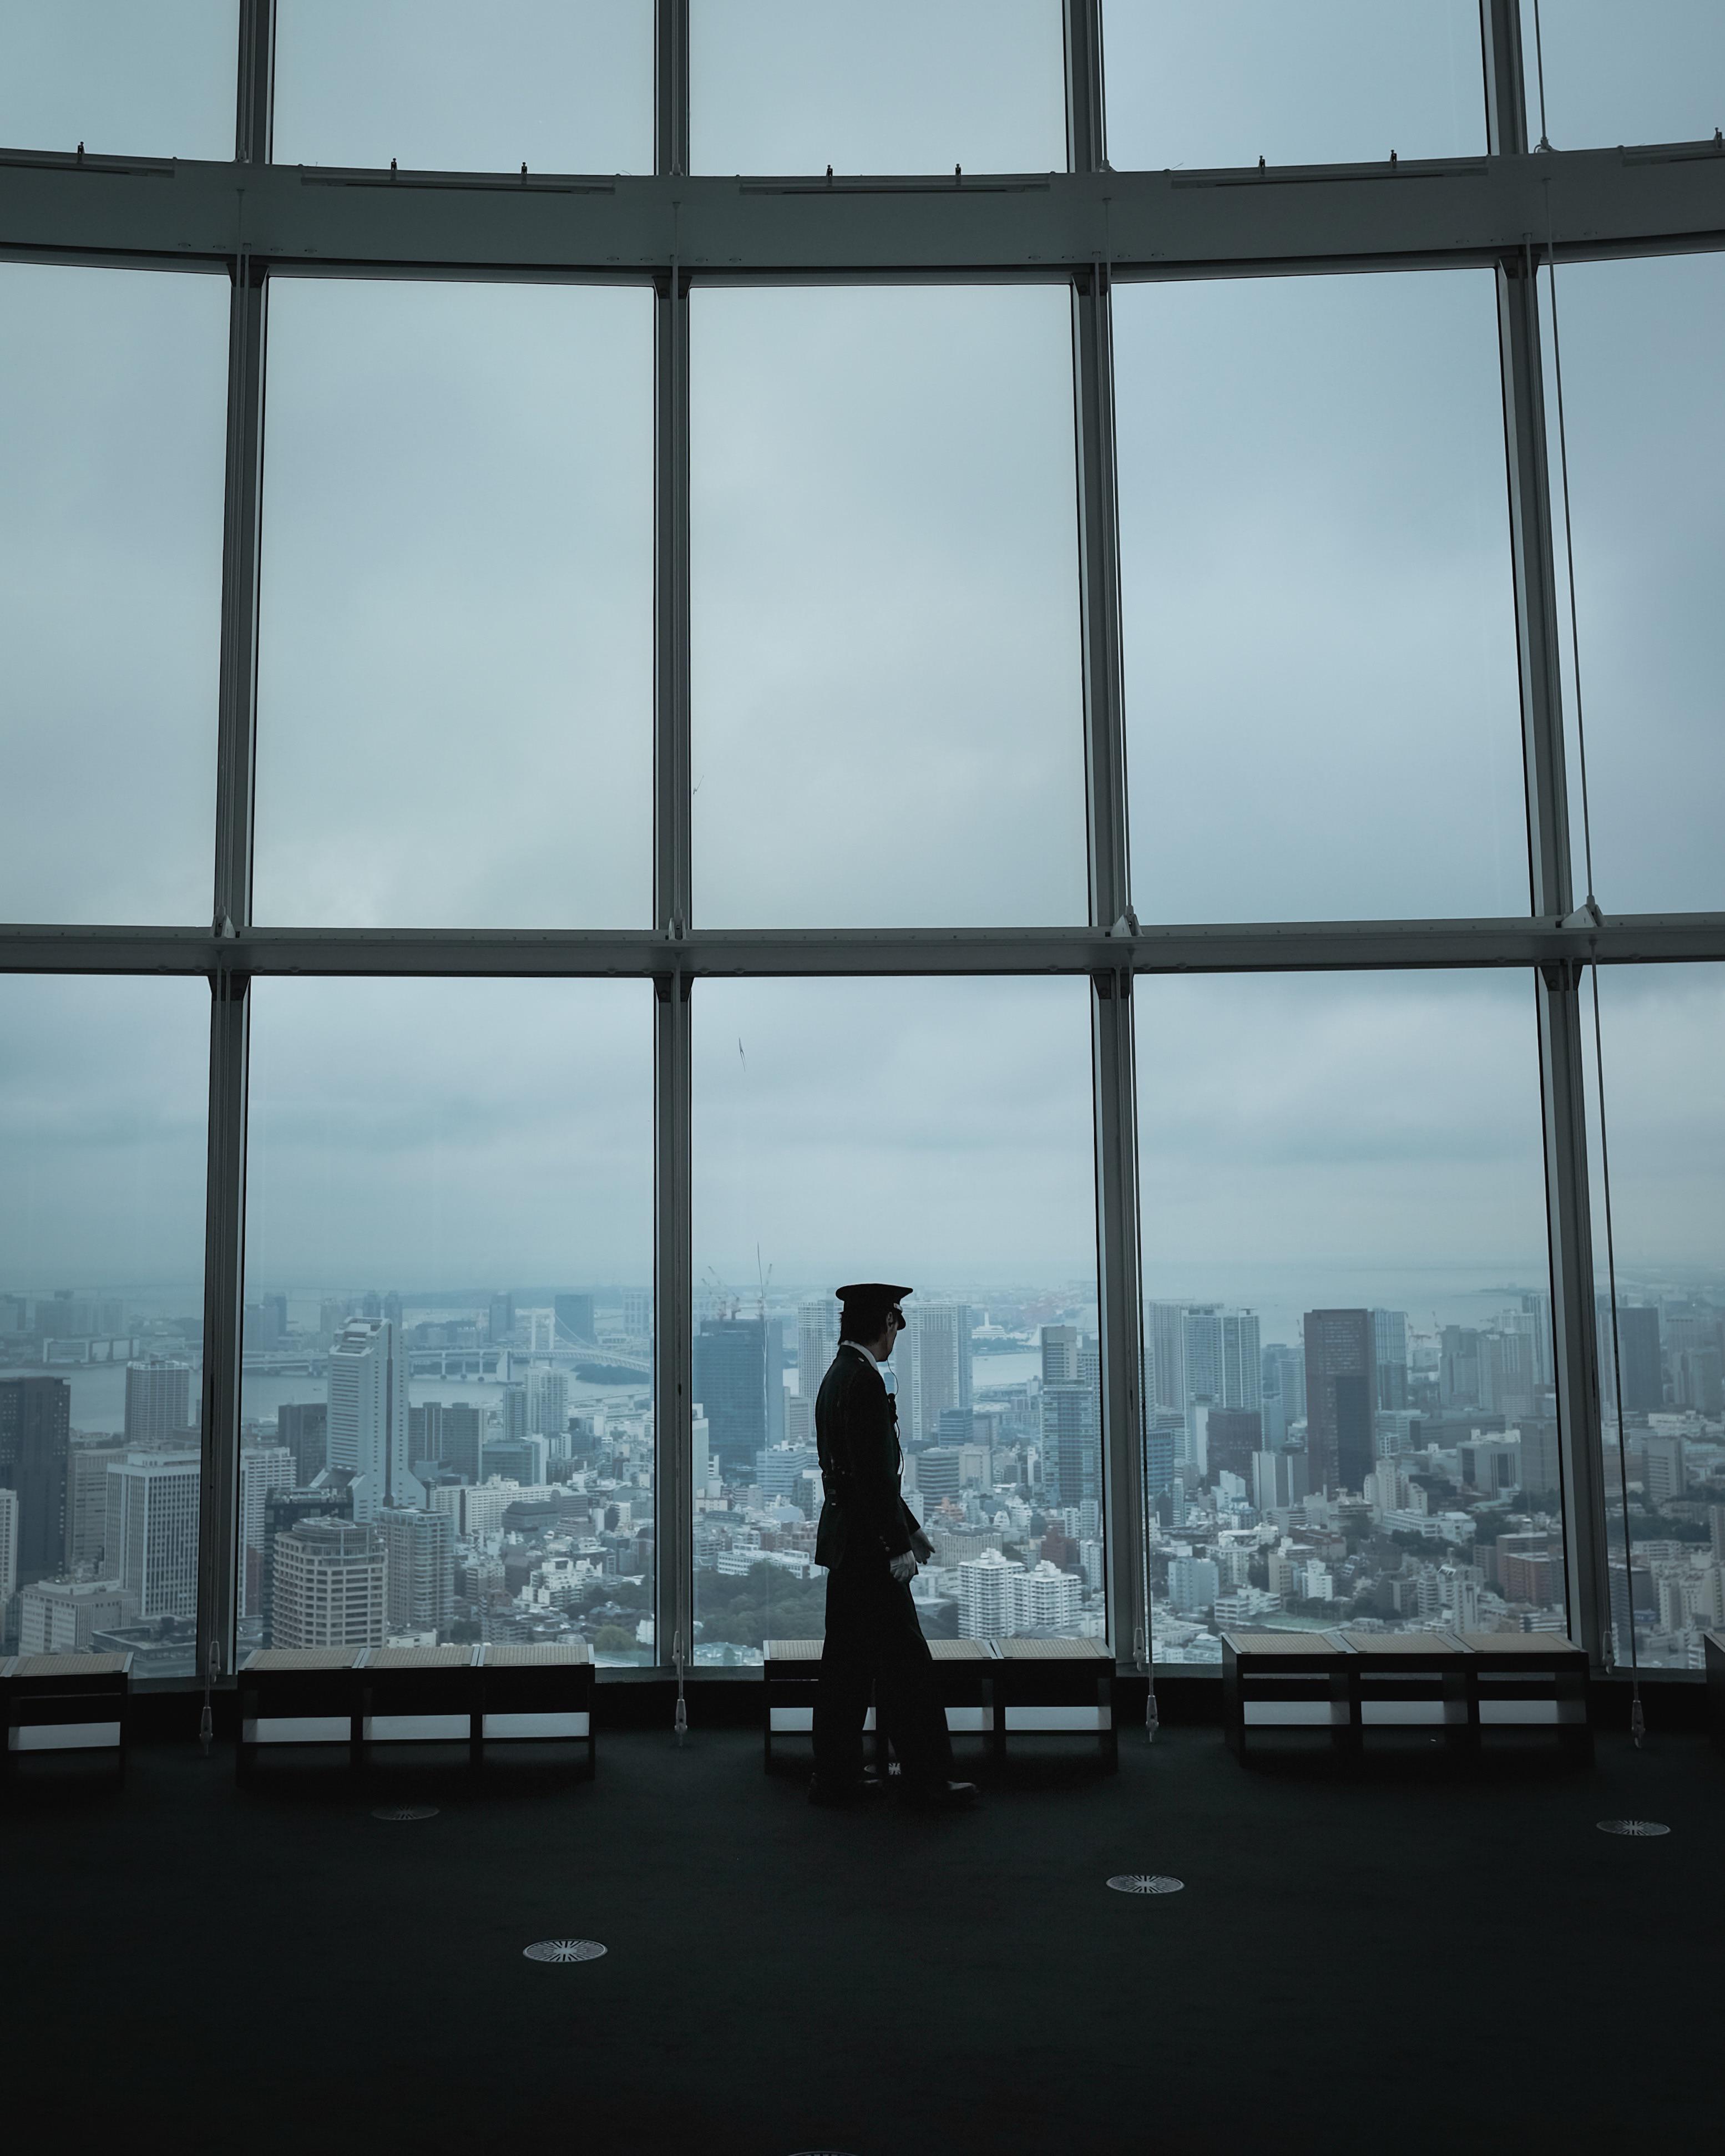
[[456, 671]]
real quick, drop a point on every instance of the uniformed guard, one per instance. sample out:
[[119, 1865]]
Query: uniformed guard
[[870, 1542]]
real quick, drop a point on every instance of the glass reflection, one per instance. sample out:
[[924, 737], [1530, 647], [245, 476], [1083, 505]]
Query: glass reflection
[[122, 80], [1649, 73], [937, 1131], [111, 444], [454, 683], [1351, 1404], [448, 85], [103, 1085], [898, 86], [1321, 692], [1203, 82], [448, 1330], [887, 697], [1663, 1028]]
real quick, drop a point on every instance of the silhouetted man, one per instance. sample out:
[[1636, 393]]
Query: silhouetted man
[[870, 1542]]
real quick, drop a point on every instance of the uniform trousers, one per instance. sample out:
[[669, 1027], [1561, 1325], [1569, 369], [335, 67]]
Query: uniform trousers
[[874, 1643]]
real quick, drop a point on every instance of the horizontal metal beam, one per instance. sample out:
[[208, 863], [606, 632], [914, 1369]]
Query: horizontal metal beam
[[1597, 202], [1228, 947]]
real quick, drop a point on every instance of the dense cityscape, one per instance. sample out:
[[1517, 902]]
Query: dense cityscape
[[456, 1468]]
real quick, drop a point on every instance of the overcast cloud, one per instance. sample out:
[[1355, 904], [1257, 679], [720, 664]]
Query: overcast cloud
[[456, 672]]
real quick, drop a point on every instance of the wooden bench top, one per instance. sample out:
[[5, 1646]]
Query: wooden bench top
[[547, 1654], [282, 1659], [1281, 1643], [452, 1657], [66, 1665], [1391, 1644], [1051, 1650]]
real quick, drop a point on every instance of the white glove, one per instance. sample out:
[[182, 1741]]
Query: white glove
[[903, 1568]]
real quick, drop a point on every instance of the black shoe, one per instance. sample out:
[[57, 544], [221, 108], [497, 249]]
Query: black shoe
[[836, 1795], [943, 1796]]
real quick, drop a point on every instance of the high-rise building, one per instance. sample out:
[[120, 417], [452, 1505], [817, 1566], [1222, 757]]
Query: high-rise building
[[1542, 1474], [500, 1320], [816, 1342], [739, 1380], [368, 1416], [35, 1447], [1071, 1442], [448, 1434], [1340, 1379], [1194, 1583], [58, 1616], [1045, 1601], [328, 1590], [263, 1468], [9, 1554], [779, 1468], [575, 1322], [1663, 1470], [1233, 1435], [1638, 1346], [520, 1459], [1279, 1480], [1458, 1366], [150, 1536], [418, 1569], [637, 1313], [705, 1472], [284, 1510], [1060, 1354], [548, 1405], [937, 1474], [158, 1403], [934, 1356], [985, 1599], [1165, 1356], [1284, 1369], [1389, 1355], [303, 1427], [1162, 1436], [87, 1498]]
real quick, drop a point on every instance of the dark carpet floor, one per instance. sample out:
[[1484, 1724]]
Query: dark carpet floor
[[1397, 1961]]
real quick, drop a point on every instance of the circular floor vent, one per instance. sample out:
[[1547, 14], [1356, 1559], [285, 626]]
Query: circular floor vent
[[1144, 1882], [405, 1812], [563, 1950], [1632, 1826]]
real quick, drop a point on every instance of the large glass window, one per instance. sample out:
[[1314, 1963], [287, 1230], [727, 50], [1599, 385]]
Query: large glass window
[[456, 671], [1350, 1405], [897, 86], [1646, 423], [448, 1320], [887, 700], [1652, 72], [1321, 692], [933, 1131], [1663, 1028], [111, 443], [123, 80], [449, 85], [1203, 82], [103, 1083]]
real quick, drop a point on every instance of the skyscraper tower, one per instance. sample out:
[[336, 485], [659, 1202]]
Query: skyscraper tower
[[418, 1569], [151, 1536], [1341, 1389], [816, 1342], [368, 1416], [35, 1446], [933, 1355], [740, 1382], [158, 1403]]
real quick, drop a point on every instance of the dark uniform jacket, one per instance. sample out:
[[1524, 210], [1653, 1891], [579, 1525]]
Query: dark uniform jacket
[[856, 1433]]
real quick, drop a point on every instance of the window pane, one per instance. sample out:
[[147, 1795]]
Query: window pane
[[1646, 429], [455, 683], [449, 1210], [1664, 1034], [124, 81], [1205, 83], [898, 86], [449, 85], [888, 719], [1352, 1416], [1321, 688], [936, 1132], [1653, 73], [103, 1086], [111, 444]]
